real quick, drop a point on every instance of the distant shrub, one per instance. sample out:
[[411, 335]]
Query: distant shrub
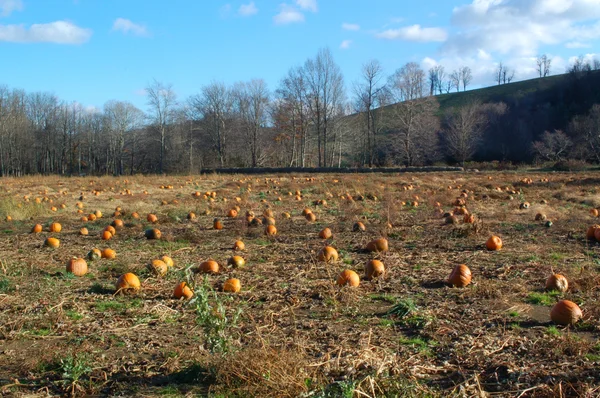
[[570, 165]]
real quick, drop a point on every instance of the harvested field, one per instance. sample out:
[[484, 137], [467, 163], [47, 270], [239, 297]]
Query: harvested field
[[291, 330]]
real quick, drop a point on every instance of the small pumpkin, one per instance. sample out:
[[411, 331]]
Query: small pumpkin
[[460, 276], [328, 254], [183, 290], [378, 245], [236, 261], [348, 278], [374, 269], [494, 243], [84, 231], [270, 230], [37, 228], [591, 232], [168, 260], [325, 233], [359, 227], [117, 224], [540, 217], [232, 285], [152, 218], [469, 219], [52, 242], [135, 215], [311, 217], [152, 233], [191, 216], [94, 254], [106, 235], [217, 224], [239, 245], [127, 283], [565, 313], [158, 267], [594, 212], [77, 266], [232, 213], [55, 227], [557, 282], [208, 267], [109, 254]]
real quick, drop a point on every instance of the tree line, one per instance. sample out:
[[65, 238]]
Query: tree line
[[311, 119]]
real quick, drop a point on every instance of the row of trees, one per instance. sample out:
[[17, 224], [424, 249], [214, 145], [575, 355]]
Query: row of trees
[[307, 121]]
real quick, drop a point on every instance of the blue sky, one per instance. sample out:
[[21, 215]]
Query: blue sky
[[92, 51]]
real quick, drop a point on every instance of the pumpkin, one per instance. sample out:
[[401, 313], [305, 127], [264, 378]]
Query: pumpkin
[[597, 234], [306, 211], [540, 217], [378, 245], [239, 245], [83, 231], [208, 267], [55, 227], [117, 224], [268, 213], [91, 217], [460, 276], [98, 214], [557, 282], [232, 285], [348, 277], [217, 224], [52, 242], [469, 218], [565, 313], [109, 254], [168, 260], [77, 266], [374, 269], [310, 217], [236, 261], [328, 255], [128, 282], [268, 221], [152, 233], [37, 228], [191, 216], [270, 230], [84, 219], [232, 213], [591, 232], [110, 229], [286, 215], [106, 235], [325, 233], [152, 218], [594, 212], [183, 290], [94, 254], [494, 243], [135, 215], [524, 205], [158, 267], [359, 227]]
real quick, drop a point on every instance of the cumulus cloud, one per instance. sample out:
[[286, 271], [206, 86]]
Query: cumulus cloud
[[288, 14], [59, 32], [310, 5], [350, 26], [8, 6], [127, 26], [521, 27], [414, 33], [345, 44], [247, 10]]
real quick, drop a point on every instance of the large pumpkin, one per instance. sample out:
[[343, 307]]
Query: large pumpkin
[[374, 269], [460, 276], [128, 282], [328, 255], [378, 245], [77, 266], [348, 277], [565, 312]]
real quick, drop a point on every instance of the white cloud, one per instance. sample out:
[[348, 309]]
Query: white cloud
[[60, 32], [350, 26], [288, 14], [577, 44], [141, 92], [345, 44], [8, 6], [522, 27], [247, 10], [310, 5], [414, 33], [127, 26]]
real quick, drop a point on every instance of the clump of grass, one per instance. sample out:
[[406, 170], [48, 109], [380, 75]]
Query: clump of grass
[[545, 298], [21, 211]]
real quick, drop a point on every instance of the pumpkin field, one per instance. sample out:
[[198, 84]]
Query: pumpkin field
[[291, 285]]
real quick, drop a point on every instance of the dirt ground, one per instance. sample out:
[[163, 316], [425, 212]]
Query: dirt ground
[[291, 330]]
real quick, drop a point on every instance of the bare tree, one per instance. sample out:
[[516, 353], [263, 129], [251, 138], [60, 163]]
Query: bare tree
[[553, 146], [455, 79], [464, 129], [436, 79], [543, 65], [465, 76], [367, 92], [162, 101], [503, 74], [121, 118], [408, 82]]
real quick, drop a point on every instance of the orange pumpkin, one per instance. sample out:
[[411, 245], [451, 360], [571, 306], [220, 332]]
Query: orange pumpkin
[[83, 231], [374, 269], [494, 243], [232, 285], [52, 242], [152, 218], [217, 224], [168, 260], [378, 245], [232, 213], [77, 266], [359, 227], [158, 267], [460, 276], [128, 282], [325, 233], [348, 277], [37, 228], [117, 224], [106, 235], [239, 245], [565, 313], [270, 230], [183, 290], [591, 232], [208, 267], [55, 227], [152, 233], [328, 255], [109, 254], [311, 217], [94, 254], [557, 282]]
